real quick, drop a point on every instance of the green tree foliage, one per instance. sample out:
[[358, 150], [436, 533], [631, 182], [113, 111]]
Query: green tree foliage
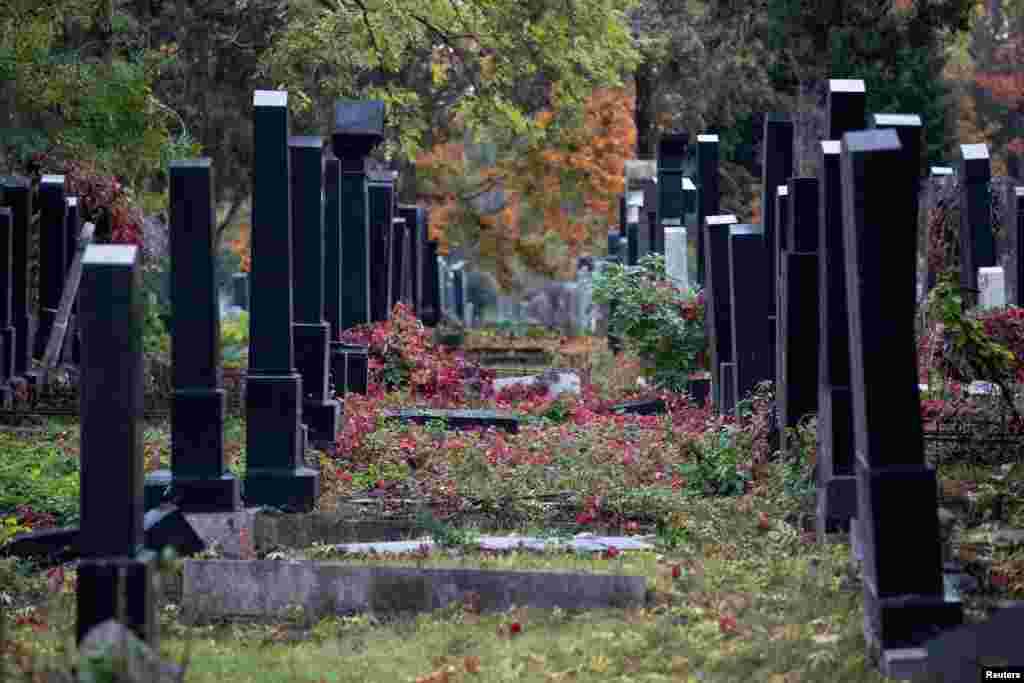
[[898, 48], [486, 65]]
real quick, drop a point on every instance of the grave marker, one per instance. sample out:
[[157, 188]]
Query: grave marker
[[333, 291], [1016, 226], [397, 263], [358, 129], [748, 269], [845, 106], [777, 165], [977, 244], [382, 205], [7, 333], [836, 485], [431, 311], [458, 280], [707, 195], [240, 290], [72, 347], [671, 155], [677, 257], [53, 247], [321, 413], [718, 308], [992, 286], [18, 197], [111, 406], [798, 308], [199, 479], [897, 521], [276, 474]]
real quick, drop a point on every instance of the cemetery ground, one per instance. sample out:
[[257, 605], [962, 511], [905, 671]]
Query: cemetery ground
[[738, 587]]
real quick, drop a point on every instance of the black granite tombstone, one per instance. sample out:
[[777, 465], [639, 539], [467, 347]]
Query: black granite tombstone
[[977, 244], [458, 273], [777, 167], [718, 303], [1016, 225], [396, 261], [412, 255], [613, 244], [632, 244], [798, 314], [53, 247], [381, 190], [654, 236], [72, 339], [748, 268], [320, 412], [671, 155], [896, 526], [781, 246], [431, 312], [649, 217], [359, 127], [458, 419], [845, 107], [836, 485], [276, 474], [7, 335], [333, 291], [240, 290], [707, 197], [18, 197], [623, 213], [117, 578], [199, 480]]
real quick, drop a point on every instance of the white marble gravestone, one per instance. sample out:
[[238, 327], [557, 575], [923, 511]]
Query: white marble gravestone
[[992, 284], [676, 257]]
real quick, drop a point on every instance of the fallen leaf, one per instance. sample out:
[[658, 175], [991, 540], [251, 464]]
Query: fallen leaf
[[680, 665], [599, 664], [631, 665], [472, 664], [826, 639], [536, 663]]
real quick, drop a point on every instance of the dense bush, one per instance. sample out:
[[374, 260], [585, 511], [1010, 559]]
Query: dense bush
[[663, 324]]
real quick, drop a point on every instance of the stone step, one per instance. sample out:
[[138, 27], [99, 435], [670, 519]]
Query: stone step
[[267, 589]]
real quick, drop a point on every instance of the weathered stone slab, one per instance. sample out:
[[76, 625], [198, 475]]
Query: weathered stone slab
[[654, 406], [214, 589], [580, 543], [458, 419]]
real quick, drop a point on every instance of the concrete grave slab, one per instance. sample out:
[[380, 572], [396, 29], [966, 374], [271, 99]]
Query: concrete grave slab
[[216, 589]]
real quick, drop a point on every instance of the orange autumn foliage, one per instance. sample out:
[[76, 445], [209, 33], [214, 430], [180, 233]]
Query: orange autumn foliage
[[565, 185], [1004, 81], [240, 247]]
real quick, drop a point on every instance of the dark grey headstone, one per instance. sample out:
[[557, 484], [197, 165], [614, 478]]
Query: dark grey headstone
[[240, 290], [905, 602], [654, 406], [777, 167], [836, 485], [671, 155], [633, 244], [382, 205], [18, 197], [53, 248], [748, 270], [333, 292], [718, 303], [199, 480], [1015, 223], [845, 107], [397, 262], [7, 332], [977, 243], [275, 439], [707, 195], [431, 311], [118, 577]]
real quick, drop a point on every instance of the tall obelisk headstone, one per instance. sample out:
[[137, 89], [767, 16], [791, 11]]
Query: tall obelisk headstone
[[321, 413], [199, 479], [116, 576], [18, 197], [276, 474], [836, 484], [896, 531], [718, 307]]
